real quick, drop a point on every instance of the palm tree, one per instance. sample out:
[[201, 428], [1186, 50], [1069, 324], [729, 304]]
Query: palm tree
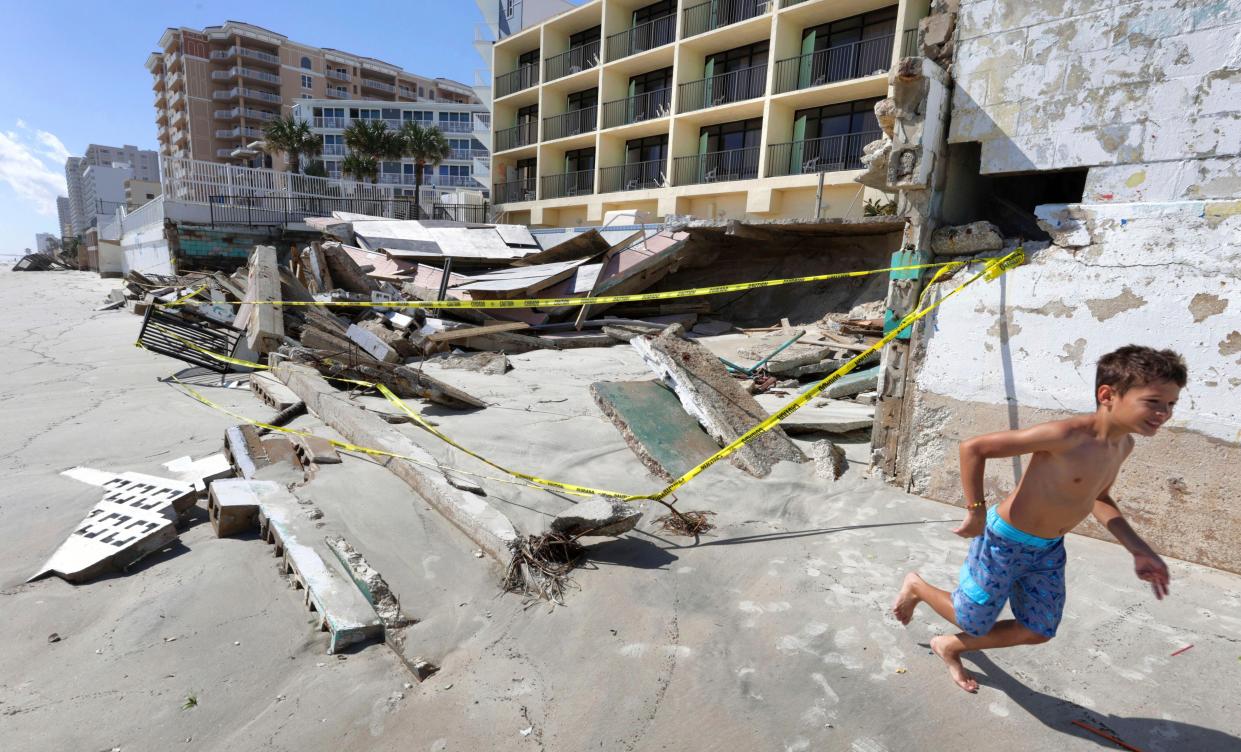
[[370, 141], [425, 146], [360, 167], [293, 138]]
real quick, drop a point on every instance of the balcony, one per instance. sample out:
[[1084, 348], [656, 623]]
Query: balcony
[[158, 84], [513, 191], [455, 126], [338, 92], [238, 132], [265, 96], [238, 70], [839, 63], [263, 57], [482, 123], [716, 167], [370, 83], [641, 38], [816, 155], [331, 122], [518, 80], [909, 43], [237, 112], [224, 153], [176, 82], [178, 117], [646, 106], [715, 14], [736, 86], [468, 154], [517, 136], [581, 183], [572, 123], [632, 177], [455, 181], [333, 150], [575, 60], [161, 99], [338, 75]]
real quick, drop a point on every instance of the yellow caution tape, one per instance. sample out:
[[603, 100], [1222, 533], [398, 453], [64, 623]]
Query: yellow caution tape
[[608, 299], [181, 300], [993, 269]]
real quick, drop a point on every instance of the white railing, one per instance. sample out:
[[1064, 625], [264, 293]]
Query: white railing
[[197, 182], [149, 213]]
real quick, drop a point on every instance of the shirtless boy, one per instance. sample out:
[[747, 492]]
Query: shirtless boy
[[1017, 554]]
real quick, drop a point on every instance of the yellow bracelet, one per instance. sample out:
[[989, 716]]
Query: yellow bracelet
[[976, 505]]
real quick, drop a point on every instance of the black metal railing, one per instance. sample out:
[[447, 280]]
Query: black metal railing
[[790, 3], [826, 154], [735, 86], [575, 60], [572, 123], [714, 14], [909, 43], [522, 134], [716, 166], [578, 183], [838, 63], [514, 191], [632, 177], [515, 81], [268, 211], [642, 37], [639, 107]]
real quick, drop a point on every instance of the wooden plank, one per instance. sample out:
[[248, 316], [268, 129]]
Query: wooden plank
[[265, 328], [654, 425], [450, 335]]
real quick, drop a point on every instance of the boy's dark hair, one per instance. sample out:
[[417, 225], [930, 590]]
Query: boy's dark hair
[[1135, 365]]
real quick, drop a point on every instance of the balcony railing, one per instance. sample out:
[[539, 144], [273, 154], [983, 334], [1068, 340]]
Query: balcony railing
[[514, 191], [517, 136], [581, 183], [455, 126], [639, 107], [338, 75], [790, 3], [714, 14], [338, 91], [826, 154], [572, 123], [518, 80], [259, 94], [237, 70], [909, 43], [833, 64], [643, 37], [482, 121], [380, 85], [632, 177], [468, 153], [239, 131], [575, 60], [333, 150], [265, 57], [330, 122], [716, 166], [736, 86]]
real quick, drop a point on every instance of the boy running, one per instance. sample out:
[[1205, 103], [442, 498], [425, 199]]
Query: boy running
[[1017, 554]]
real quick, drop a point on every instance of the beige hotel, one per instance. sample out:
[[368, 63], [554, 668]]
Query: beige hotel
[[216, 88], [713, 108]]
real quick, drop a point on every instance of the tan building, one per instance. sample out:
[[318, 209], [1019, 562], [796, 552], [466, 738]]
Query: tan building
[[139, 192], [712, 108], [216, 88]]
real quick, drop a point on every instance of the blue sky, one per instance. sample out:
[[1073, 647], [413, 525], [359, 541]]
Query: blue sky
[[83, 81]]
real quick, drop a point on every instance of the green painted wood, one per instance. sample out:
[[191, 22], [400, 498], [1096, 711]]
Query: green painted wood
[[654, 425], [803, 68]]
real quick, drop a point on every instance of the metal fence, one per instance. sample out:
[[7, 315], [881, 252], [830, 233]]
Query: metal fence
[[635, 109], [838, 63], [514, 191], [643, 37], [578, 183], [273, 211], [716, 166], [632, 177], [515, 81], [519, 135], [571, 123], [575, 60], [735, 86], [713, 14], [826, 154]]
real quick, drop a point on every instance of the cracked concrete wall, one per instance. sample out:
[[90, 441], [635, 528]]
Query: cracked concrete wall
[[1023, 349], [1147, 94]]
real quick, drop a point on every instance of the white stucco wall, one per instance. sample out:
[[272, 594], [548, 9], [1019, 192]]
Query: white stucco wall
[[146, 249], [1150, 91], [1163, 275]]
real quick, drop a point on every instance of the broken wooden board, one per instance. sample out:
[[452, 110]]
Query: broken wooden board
[[637, 267], [650, 419], [135, 518], [828, 416], [517, 282]]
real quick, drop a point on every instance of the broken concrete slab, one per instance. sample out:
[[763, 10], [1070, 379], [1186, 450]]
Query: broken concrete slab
[[265, 324], [372, 344], [394, 339], [370, 582], [828, 416], [199, 473], [271, 392], [315, 450], [598, 516], [853, 383], [650, 419], [720, 403], [256, 457], [829, 460], [136, 517], [965, 240], [712, 327], [492, 363]]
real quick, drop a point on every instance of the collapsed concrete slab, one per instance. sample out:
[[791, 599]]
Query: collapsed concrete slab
[[828, 416], [341, 608], [650, 419], [716, 400], [598, 516], [136, 517]]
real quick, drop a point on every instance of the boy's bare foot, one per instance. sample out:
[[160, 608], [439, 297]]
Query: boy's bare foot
[[944, 646], [906, 599]]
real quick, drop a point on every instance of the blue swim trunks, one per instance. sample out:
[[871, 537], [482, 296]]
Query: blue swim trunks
[[1006, 564]]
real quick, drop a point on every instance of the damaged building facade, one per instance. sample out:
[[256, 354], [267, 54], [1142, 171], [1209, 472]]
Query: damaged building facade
[[1105, 138]]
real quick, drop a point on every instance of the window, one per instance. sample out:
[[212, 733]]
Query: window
[[649, 149], [654, 11], [838, 119], [581, 100], [844, 31], [308, 82], [736, 59], [528, 58], [740, 134], [584, 37], [579, 160], [528, 114], [653, 81], [525, 169], [306, 63]]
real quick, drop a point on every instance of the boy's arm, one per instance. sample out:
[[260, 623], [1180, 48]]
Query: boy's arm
[[1045, 437], [1146, 563]]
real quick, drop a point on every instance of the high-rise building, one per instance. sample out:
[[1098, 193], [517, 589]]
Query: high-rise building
[[96, 182], [73, 184], [64, 216], [45, 242], [216, 88], [736, 109], [145, 162]]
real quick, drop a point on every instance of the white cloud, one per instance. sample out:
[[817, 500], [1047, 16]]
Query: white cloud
[[33, 168]]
